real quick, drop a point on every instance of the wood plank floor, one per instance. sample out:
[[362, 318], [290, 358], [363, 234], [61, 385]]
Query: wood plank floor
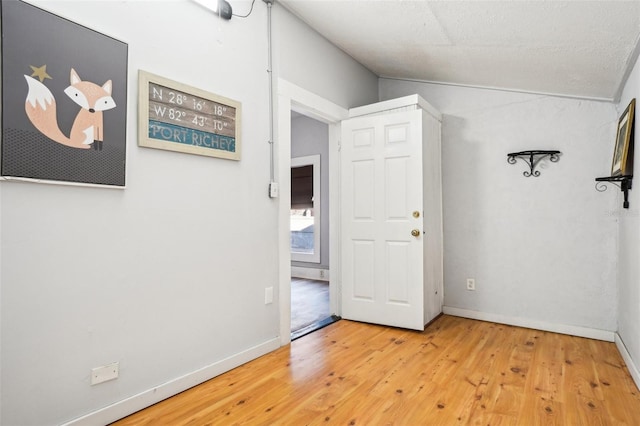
[[457, 371]]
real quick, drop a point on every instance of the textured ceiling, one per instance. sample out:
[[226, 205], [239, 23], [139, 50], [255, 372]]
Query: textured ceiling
[[575, 48]]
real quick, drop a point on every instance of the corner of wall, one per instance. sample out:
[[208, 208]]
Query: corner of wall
[[633, 370], [627, 268]]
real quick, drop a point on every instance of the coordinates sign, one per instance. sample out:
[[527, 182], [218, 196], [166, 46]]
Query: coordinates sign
[[178, 117]]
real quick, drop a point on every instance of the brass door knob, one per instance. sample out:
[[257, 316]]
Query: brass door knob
[[415, 233]]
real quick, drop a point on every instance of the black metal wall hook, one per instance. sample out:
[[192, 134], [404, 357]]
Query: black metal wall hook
[[625, 185], [532, 158]]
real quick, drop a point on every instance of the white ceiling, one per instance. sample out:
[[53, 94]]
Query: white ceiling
[[575, 48]]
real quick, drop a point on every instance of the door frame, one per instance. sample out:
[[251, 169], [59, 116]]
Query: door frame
[[291, 97]]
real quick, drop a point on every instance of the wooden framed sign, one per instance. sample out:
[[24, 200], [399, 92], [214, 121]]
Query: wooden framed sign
[[177, 117]]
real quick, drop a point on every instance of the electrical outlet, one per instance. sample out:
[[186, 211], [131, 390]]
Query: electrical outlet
[[471, 284], [105, 373]]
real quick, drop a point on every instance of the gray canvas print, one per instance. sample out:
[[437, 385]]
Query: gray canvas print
[[64, 99]]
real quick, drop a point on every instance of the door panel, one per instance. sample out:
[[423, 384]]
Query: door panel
[[397, 272], [363, 193], [382, 272], [396, 200], [364, 254]]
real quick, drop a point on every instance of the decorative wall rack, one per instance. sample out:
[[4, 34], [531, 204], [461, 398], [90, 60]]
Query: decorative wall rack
[[532, 158], [625, 185]]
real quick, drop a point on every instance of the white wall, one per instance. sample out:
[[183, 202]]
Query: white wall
[[309, 137], [318, 66], [155, 276], [542, 250], [629, 245]]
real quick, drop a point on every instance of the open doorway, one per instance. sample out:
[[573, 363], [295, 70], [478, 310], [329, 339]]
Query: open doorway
[[309, 225], [294, 98]]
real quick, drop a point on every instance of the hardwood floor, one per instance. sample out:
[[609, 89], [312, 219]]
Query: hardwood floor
[[457, 371]]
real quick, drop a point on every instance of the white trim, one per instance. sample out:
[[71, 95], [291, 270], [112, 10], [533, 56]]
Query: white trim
[[283, 155], [335, 250], [291, 97], [396, 104], [319, 274], [501, 89], [590, 333], [633, 369], [311, 104], [149, 397], [311, 160]]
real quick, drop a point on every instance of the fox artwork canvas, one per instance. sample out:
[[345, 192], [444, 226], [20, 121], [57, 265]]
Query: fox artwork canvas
[[64, 103]]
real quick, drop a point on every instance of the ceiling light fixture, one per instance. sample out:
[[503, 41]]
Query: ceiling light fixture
[[222, 8]]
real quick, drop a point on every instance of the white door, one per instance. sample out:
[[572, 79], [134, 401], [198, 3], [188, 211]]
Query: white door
[[381, 171]]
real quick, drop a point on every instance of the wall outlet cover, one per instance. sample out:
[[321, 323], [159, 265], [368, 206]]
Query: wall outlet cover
[[105, 373], [471, 284]]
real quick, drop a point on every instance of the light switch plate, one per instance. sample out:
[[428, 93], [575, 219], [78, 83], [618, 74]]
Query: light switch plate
[[274, 190]]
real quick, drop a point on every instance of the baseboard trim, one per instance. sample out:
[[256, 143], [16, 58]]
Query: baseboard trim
[[626, 356], [173, 387], [590, 333], [319, 274]]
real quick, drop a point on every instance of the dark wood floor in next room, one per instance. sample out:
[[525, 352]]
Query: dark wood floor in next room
[[309, 302]]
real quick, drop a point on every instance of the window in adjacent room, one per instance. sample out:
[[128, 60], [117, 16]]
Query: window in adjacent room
[[305, 209]]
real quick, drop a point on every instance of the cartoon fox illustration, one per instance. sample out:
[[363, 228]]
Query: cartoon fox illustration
[[87, 127]]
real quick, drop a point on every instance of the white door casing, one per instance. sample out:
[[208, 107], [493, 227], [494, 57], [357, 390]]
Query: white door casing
[[292, 97], [382, 187]]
